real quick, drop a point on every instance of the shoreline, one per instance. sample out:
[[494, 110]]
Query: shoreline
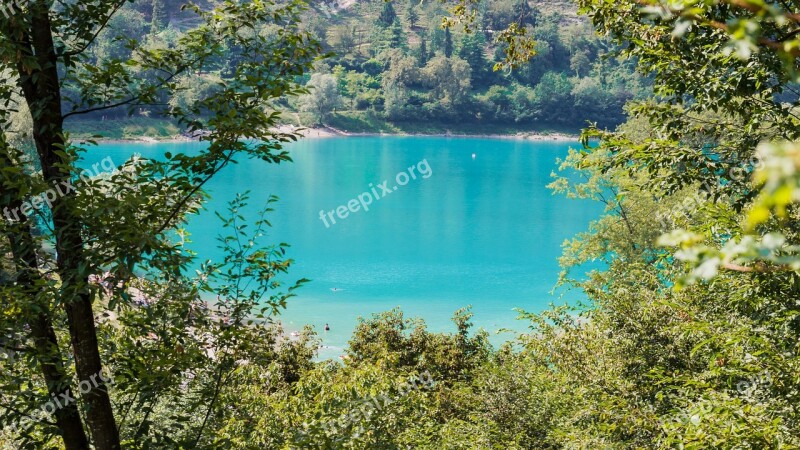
[[325, 132], [329, 132]]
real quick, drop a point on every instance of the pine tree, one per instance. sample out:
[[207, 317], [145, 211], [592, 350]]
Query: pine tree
[[472, 51], [448, 43], [397, 37], [411, 14], [422, 58], [388, 15]]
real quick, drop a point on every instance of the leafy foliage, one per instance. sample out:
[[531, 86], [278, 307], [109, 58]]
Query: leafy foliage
[[689, 335]]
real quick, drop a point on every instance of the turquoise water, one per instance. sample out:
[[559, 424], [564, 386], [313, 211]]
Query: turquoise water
[[476, 226]]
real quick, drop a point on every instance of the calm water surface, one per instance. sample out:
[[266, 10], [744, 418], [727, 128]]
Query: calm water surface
[[481, 230]]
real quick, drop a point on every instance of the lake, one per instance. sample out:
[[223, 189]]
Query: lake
[[428, 224]]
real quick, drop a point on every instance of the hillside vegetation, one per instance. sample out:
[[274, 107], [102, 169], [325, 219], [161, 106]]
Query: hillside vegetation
[[395, 62], [394, 68]]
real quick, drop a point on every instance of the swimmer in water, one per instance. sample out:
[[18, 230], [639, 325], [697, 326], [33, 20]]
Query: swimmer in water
[[327, 328]]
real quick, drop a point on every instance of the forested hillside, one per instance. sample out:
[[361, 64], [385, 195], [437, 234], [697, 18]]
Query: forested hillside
[[394, 61], [394, 68]]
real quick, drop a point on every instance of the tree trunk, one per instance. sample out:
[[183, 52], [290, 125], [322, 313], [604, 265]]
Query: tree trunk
[[41, 88], [43, 335], [68, 418]]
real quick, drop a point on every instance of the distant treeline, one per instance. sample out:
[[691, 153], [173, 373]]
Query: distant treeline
[[395, 59], [394, 62]]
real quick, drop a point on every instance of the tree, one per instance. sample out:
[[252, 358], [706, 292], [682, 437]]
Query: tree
[[594, 102], [471, 50], [579, 62], [397, 37], [387, 15], [395, 100], [496, 103], [323, 98], [388, 38], [422, 55], [448, 43], [701, 250], [383, 338], [553, 98], [449, 81], [411, 14], [402, 74], [102, 230]]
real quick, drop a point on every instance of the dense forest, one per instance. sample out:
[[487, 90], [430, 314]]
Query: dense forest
[[394, 68], [393, 61], [690, 334]]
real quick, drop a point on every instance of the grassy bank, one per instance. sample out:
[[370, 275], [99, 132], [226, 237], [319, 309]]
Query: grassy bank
[[134, 128], [365, 122], [357, 122]]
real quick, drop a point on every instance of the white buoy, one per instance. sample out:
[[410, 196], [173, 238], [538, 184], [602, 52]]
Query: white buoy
[[474, 155]]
